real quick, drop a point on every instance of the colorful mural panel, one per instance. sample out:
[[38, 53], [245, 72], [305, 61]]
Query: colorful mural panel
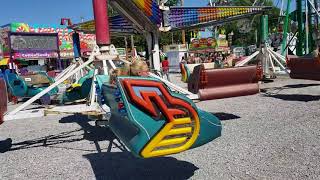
[[203, 43], [87, 42], [64, 34]]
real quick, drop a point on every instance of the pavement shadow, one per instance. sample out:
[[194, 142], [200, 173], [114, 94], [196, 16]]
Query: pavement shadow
[[85, 132], [294, 97], [226, 116], [123, 165], [291, 86], [5, 145], [47, 141], [296, 86], [91, 132]]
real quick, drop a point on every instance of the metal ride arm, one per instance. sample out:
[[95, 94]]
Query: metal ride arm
[[282, 58], [277, 61], [248, 59], [66, 71], [190, 95], [33, 99]]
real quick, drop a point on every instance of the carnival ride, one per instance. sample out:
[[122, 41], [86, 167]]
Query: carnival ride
[[152, 116]]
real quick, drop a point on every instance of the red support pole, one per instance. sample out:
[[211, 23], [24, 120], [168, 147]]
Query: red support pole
[[101, 22]]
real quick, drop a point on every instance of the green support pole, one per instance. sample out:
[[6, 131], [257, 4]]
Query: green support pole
[[301, 39], [285, 30], [264, 28]]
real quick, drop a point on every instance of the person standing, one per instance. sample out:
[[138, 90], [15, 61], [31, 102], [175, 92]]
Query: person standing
[[165, 67]]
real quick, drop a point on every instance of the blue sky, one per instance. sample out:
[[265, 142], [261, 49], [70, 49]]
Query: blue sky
[[50, 12]]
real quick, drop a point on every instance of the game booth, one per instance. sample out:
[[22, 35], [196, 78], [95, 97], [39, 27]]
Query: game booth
[[39, 56], [204, 51], [213, 76], [37, 45]]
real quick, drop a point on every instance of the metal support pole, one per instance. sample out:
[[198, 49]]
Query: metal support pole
[[282, 6], [264, 28], [132, 42], [93, 89], [156, 52], [265, 62], [310, 27], [300, 28], [183, 33], [101, 22], [316, 19], [149, 45], [76, 45], [126, 46], [285, 30], [307, 27], [264, 53]]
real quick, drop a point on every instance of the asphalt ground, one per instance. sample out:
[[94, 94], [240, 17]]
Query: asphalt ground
[[271, 135]]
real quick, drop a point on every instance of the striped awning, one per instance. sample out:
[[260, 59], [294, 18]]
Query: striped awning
[[118, 26]]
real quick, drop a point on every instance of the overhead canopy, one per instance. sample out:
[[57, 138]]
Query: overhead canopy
[[198, 17], [144, 14], [118, 26], [136, 17]]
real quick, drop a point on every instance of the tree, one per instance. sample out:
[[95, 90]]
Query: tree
[[249, 38], [173, 2]]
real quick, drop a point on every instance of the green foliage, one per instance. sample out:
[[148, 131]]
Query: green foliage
[[244, 39], [173, 2]]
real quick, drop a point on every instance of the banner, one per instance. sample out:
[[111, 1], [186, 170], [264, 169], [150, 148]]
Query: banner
[[36, 55], [203, 43], [33, 42]]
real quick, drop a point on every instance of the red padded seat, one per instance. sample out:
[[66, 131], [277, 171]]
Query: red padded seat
[[304, 67], [224, 83]]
